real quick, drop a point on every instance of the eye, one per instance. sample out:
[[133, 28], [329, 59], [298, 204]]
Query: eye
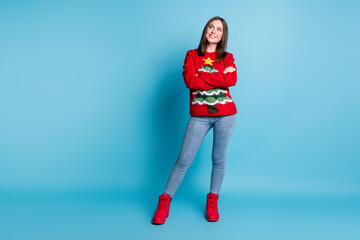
[[220, 30]]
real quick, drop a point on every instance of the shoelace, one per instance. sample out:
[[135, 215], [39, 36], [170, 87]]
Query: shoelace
[[212, 203], [162, 205]]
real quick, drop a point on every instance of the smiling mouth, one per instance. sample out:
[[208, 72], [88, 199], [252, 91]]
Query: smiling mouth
[[212, 36]]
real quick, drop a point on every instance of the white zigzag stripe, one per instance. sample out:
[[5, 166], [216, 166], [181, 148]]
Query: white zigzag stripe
[[204, 102], [213, 71], [210, 94]]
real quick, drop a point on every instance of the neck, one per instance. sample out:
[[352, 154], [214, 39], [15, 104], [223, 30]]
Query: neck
[[211, 47]]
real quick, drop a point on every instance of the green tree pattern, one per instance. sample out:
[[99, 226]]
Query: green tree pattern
[[211, 97]]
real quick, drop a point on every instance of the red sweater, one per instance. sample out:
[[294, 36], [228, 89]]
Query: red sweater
[[209, 91]]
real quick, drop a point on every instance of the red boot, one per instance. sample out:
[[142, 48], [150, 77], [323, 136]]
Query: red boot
[[212, 214], [162, 211]]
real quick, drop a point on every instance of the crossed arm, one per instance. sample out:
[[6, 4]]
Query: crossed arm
[[204, 80]]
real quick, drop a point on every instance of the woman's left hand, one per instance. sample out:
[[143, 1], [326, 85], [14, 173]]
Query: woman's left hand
[[229, 69]]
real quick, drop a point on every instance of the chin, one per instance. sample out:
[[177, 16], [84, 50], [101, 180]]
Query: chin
[[212, 41]]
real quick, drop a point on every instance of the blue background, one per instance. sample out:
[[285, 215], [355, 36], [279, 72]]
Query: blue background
[[94, 109]]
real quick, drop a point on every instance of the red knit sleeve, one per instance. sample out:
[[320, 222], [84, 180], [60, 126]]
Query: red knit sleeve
[[220, 79], [190, 79]]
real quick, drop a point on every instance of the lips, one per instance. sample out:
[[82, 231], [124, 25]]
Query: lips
[[212, 36]]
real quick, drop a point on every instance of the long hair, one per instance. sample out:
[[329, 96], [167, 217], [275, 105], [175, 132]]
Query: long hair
[[221, 46]]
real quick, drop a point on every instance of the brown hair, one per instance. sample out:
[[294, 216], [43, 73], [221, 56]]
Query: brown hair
[[221, 46]]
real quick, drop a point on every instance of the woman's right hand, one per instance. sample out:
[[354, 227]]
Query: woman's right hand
[[229, 69]]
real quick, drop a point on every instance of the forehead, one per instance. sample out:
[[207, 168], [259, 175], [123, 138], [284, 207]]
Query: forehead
[[217, 23]]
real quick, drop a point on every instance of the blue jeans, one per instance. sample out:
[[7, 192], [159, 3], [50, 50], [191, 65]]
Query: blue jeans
[[196, 130]]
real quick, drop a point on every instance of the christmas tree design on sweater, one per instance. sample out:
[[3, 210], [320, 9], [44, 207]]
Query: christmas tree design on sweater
[[213, 96]]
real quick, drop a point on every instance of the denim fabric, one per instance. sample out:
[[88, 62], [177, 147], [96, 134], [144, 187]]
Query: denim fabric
[[196, 130]]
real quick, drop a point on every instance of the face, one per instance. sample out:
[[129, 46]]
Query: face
[[214, 32]]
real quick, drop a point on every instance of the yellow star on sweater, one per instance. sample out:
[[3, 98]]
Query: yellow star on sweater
[[208, 61]]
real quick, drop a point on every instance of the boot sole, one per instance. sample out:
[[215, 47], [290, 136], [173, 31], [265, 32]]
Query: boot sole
[[212, 219], [157, 223]]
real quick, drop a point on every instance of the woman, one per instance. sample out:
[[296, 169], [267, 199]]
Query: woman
[[209, 71]]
